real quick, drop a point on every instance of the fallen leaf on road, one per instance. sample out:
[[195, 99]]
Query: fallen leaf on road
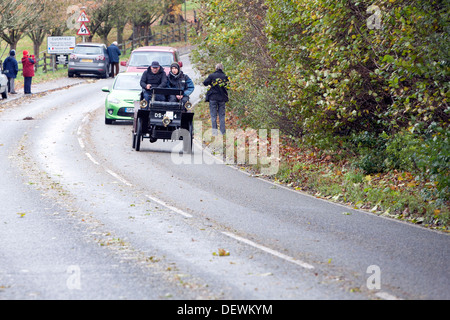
[[222, 253]]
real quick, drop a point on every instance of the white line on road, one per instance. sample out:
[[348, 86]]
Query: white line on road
[[187, 215], [81, 143], [386, 296], [115, 175], [91, 158], [268, 250]]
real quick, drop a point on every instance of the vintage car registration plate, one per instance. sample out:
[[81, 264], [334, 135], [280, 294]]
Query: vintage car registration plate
[[169, 114], [87, 60], [129, 110]]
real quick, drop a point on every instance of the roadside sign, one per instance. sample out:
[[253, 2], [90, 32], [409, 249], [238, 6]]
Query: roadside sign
[[60, 45], [83, 31], [83, 17]]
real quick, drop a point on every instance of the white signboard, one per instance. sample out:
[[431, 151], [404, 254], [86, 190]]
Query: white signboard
[[59, 45]]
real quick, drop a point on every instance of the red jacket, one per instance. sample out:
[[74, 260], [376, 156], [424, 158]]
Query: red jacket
[[28, 66]]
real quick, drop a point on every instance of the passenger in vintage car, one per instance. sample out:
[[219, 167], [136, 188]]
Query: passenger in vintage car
[[178, 80]]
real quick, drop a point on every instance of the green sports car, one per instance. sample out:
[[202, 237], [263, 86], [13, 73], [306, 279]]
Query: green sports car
[[119, 103]]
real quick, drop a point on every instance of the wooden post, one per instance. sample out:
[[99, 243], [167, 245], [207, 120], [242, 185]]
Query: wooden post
[[44, 66]]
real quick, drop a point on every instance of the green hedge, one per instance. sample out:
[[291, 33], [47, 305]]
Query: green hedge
[[370, 78]]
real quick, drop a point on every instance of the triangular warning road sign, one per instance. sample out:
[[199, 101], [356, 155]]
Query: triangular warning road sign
[[83, 17], [83, 31]]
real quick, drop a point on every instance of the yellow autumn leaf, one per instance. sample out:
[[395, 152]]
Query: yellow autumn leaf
[[222, 253]]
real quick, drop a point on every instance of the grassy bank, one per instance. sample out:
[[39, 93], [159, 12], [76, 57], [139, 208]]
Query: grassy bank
[[398, 195]]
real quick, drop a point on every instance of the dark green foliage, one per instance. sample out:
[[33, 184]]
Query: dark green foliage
[[323, 72]]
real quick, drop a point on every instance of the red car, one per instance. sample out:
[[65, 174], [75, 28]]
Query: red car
[[143, 57]]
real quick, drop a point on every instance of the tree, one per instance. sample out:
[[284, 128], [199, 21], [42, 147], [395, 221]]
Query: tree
[[173, 12], [15, 18], [143, 14], [52, 17], [369, 79], [103, 19]]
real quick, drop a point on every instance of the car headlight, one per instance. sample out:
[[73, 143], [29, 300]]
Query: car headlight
[[113, 100]]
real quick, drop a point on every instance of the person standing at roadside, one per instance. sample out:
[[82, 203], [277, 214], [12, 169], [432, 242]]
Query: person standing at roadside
[[217, 96], [114, 53], [11, 68], [28, 71]]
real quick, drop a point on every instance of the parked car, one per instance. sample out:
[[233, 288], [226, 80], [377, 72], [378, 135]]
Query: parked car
[[89, 58], [119, 103], [3, 85], [141, 58]]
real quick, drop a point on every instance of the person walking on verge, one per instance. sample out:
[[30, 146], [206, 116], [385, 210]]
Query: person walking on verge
[[28, 71], [217, 96], [153, 77], [11, 68], [178, 80], [114, 53]]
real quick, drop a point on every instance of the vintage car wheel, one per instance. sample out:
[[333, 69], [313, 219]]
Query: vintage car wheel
[[5, 94], [134, 141], [138, 135]]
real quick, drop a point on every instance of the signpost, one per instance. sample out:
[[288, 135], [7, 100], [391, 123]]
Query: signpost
[[83, 31], [83, 17], [60, 45], [60, 48]]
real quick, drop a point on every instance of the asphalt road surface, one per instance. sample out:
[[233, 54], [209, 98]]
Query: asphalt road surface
[[84, 216]]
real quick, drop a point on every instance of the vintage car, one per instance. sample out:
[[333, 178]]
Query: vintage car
[[163, 120]]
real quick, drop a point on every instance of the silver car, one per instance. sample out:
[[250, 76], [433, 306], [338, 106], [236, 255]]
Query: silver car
[[89, 58], [3, 85]]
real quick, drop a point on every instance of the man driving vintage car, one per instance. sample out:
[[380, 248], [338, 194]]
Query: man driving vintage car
[[153, 77]]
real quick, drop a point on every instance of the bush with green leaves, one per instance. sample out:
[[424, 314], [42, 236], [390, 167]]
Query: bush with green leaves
[[361, 77], [344, 77]]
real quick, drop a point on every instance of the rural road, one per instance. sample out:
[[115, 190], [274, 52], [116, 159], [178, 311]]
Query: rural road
[[84, 216]]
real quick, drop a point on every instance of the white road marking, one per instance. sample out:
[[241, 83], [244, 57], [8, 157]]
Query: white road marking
[[386, 296], [187, 215], [81, 143], [268, 250], [115, 175], [91, 158]]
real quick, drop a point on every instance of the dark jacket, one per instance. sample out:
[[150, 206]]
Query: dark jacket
[[10, 67], [28, 66], [218, 82], [113, 53], [158, 80], [181, 81]]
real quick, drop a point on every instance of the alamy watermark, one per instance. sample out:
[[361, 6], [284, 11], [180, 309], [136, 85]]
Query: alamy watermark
[[250, 146], [374, 280], [374, 21], [73, 282]]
